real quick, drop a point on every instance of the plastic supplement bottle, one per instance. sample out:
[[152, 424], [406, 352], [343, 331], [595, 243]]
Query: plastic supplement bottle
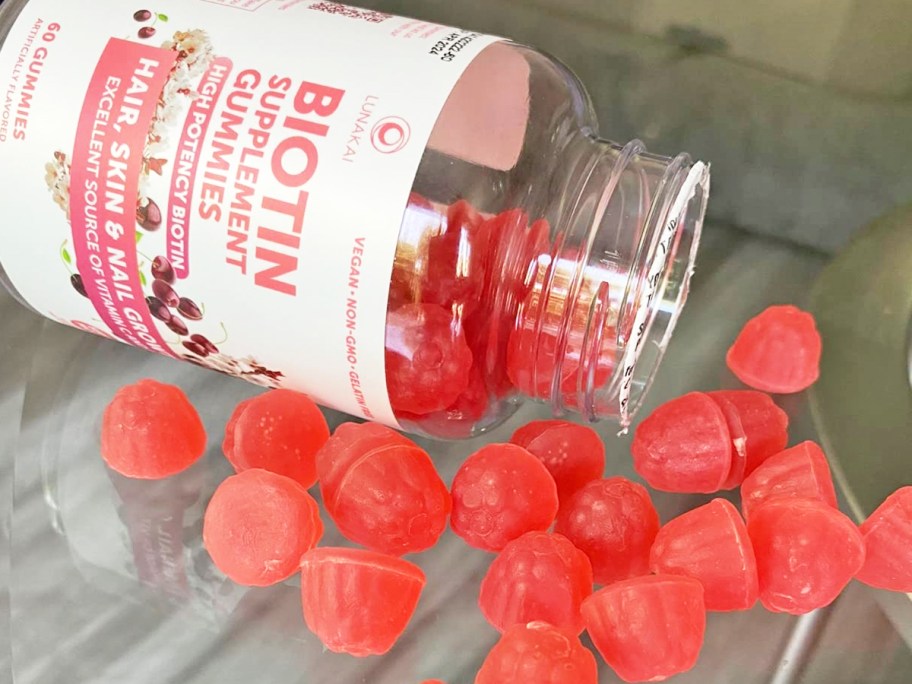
[[413, 223]]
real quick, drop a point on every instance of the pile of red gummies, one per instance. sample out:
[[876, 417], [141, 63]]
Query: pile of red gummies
[[542, 504]]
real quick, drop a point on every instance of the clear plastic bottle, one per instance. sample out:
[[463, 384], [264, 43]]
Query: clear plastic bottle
[[535, 259]]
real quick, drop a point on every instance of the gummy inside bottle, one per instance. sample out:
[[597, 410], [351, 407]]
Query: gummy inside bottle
[[519, 253]]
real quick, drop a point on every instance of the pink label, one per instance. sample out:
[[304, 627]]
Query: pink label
[[189, 152], [107, 158]]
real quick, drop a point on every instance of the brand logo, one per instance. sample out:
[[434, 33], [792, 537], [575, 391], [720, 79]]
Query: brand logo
[[390, 134]]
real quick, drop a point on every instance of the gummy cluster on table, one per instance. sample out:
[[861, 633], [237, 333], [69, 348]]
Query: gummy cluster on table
[[555, 525]]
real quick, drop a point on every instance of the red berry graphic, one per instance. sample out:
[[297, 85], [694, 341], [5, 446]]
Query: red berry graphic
[[189, 309], [78, 285], [204, 343], [159, 310], [146, 32], [163, 270], [143, 15], [176, 324], [165, 293], [149, 217]]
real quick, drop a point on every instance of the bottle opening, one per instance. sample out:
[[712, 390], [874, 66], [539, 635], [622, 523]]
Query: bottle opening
[[619, 275]]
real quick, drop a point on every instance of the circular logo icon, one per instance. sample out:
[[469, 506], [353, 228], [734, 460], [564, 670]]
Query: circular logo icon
[[390, 134]]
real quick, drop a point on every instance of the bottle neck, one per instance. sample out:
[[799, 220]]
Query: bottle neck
[[607, 297]]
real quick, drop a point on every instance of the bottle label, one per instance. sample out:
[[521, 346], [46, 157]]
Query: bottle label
[[221, 181]]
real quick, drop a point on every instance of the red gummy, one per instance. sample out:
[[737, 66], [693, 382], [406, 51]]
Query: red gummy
[[806, 552], [888, 544], [427, 359], [710, 544], [499, 493], [280, 431], [573, 454], [538, 653], [777, 351], [258, 525], [648, 628], [537, 577], [150, 430], [801, 471], [348, 444], [684, 446], [457, 259], [358, 602], [614, 523], [392, 500], [761, 429]]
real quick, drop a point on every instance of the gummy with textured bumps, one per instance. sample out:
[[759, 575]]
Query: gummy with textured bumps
[[258, 525], [499, 493], [777, 351], [710, 544], [614, 522], [537, 577], [648, 628], [888, 544], [538, 653], [358, 602], [280, 431], [573, 454], [684, 446], [392, 500], [761, 425], [801, 471], [806, 552], [150, 430], [428, 362]]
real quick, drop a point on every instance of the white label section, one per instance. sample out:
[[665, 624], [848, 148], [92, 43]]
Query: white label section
[[653, 283], [221, 181]]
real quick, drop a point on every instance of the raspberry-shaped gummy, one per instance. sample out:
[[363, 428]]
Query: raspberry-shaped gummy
[[280, 431], [150, 430], [392, 500], [538, 577], [806, 552], [258, 525], [777, 351], [684, 446], [573, 454], [614, 523], [358, 602], [648, 628], [888, 544], [499, 493], [710, 544], [538, 653], [801, 471], [758, 428], [428, 361]]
